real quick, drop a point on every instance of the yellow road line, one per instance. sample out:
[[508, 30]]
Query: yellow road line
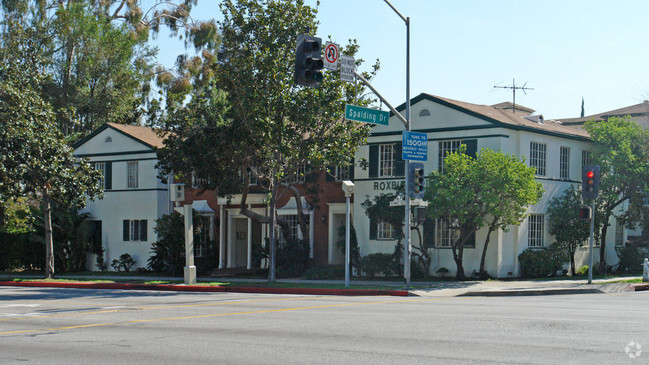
[[221, 315], [130, 309]]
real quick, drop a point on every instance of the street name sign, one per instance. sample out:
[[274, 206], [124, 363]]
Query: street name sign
[[366, 115], [331, 56], [414, 146], [347, 67]]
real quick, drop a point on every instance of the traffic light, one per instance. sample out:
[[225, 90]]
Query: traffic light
[[417, 179], [584, 213], [308, 60], [590, 182]]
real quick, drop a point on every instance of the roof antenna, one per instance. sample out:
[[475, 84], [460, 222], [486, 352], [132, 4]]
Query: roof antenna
[[524, 88]]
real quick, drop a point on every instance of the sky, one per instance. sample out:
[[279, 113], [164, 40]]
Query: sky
[[563, 50]]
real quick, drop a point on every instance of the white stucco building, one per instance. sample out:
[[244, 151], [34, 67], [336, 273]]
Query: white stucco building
[[557, 151], [133, 195]]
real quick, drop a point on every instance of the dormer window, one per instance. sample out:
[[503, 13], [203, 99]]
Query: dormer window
[[108, 140]]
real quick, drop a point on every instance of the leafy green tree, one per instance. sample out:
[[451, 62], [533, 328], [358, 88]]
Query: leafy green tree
[[36, 159], [566, 227], [622, 151], [493, 190], [258, 122]]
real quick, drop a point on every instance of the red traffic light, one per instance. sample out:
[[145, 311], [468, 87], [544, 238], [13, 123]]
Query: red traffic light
[[590, 174]]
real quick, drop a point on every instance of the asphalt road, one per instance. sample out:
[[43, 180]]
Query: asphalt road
[[71, 326]]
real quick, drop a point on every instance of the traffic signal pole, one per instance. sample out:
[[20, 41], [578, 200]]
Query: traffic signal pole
[[590, 245]]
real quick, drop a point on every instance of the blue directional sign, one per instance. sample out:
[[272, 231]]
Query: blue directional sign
[[414, 146]]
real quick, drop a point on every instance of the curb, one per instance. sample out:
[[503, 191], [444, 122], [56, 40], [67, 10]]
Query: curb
[[531, 292], [207, 289], [639, 287]]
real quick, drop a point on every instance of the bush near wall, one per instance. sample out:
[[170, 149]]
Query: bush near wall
[[539, 262]]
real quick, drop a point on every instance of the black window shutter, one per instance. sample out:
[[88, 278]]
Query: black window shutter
[[470, 242], [108, 177], [429, 233], [471, 147], [351, 170], [374, 160], [143, 230], [372, 229], [400, 163], [126, 230]]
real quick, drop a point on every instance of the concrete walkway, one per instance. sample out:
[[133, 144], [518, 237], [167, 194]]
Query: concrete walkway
[[430, 288]]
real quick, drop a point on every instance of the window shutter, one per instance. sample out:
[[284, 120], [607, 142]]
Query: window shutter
[[108, 177], [329, 173], [471, 147], [471, 241], [143, 230], [372, 229], [429, 233], [400, 163], [126, 234], [374, 160], [351, 170]]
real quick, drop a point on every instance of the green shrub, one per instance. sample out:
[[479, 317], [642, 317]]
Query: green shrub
[[377, 263], [537, 263], [582, 270], [125, 262], [355, 256], [168, 255], [325, 273], [292, 258], [631, 258]]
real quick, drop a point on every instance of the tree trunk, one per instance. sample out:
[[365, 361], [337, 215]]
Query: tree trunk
[[572, 263], [602, 245], [458, 250], [273, 238], [483, 274], [49, 243]]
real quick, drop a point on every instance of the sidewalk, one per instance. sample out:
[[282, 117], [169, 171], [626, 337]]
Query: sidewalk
[[393, 288]]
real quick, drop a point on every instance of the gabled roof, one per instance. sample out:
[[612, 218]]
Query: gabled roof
[[636, 110], [145, 135], [504, 118]]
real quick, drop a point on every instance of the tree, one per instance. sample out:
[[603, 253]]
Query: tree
[[622, 151], [493, 190], [253, 119], [36, 159], [566, 227], [379, 210]]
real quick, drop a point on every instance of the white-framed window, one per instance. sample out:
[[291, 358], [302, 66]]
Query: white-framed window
[[564, 162], [619, 233], [135, 230], [444, 235], [384, 231], [586, 158], [294, 226], [446, 147], [201, 246], [387, 160], [101, 167], [538, 153], [536, 230], [131, 174], [341, 173], [197, 182]]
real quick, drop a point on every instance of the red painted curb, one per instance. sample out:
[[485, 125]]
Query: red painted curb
[[206, 289], [640, 287]]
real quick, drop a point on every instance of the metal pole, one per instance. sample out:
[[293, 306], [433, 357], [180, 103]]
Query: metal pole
[[347, 244], [592, 238], [190, 269], [406, 265]]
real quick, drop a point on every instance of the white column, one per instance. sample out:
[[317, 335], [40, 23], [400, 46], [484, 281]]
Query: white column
[[231, 243], [190, 269], [249, 266], [222, 237]]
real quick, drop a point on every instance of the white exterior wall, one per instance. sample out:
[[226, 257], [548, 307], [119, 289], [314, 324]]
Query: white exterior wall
[[149, 201], [446, 123]]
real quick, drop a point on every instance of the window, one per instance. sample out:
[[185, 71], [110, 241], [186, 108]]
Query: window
[[564, 162], [294, 227], [536, 230], [101, 167], [342, 173], [619, 233], [445, 236], [131, 174], [387, 161], [135, 230], [446, 147], [108, 140], [201, 246], [585, 158], [537, 157], [384, 231]]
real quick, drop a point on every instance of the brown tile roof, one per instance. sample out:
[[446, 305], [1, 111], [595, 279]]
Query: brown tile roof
[[641, 109], [146, 135], [509, 119]]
